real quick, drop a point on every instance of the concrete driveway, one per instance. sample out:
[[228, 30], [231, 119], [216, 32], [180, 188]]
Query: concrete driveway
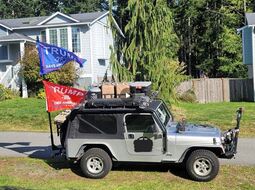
[[37, 145], [26, 144]]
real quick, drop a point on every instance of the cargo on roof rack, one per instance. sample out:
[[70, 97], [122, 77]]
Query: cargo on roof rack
[[118, 90]]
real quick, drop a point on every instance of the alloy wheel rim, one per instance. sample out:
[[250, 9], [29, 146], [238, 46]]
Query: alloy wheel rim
[[202, 167], [95, 165]]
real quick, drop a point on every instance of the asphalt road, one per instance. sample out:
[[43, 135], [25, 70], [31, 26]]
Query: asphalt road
[[37, 145]]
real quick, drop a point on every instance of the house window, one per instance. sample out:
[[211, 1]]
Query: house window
[[59, 37], [76, 40], [43, 36], [3, 52], [102, 62], [53, 37], [63, 38]]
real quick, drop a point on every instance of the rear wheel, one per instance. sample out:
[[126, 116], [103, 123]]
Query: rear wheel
[[96, 163], [202, 165]]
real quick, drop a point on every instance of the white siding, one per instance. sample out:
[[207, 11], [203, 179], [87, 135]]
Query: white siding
[[104, 20], [85, 51], [59, 20], [102, 39]]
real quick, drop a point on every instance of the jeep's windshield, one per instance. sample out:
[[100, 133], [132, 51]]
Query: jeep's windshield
[[163, 114]]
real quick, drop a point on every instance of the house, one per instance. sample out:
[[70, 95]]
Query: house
[[248, 43], [87, 34]]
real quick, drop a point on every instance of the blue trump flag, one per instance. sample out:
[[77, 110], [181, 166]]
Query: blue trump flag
[[52, 58]]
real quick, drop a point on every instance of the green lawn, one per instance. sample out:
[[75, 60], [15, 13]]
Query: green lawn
[[30, 115], [28, 173], [220, 114], [23, 115]]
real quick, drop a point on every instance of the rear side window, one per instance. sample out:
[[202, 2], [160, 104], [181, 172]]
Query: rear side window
[[97, 124]]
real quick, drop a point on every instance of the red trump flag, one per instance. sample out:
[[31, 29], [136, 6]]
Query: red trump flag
[[60, 97]]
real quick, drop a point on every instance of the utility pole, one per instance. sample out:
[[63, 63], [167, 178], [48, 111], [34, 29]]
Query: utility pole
[[189, 42], [244, 10], [253, 8]]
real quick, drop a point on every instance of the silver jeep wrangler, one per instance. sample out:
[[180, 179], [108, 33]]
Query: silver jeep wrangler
[[142, 130]]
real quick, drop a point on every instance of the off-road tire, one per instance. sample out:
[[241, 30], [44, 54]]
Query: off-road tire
[[202, 165], [93, 158]]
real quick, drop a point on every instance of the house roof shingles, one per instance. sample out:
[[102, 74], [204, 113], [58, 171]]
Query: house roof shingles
[[15, 37], [33, 21]]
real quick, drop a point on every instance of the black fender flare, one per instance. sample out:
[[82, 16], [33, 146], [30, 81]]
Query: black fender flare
[[218, 151]]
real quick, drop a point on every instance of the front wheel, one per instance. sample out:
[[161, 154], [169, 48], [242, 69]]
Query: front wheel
[[96, 163], [202, 165]]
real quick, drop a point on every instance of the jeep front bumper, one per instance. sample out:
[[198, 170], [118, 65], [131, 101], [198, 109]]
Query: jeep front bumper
[[229, 142]]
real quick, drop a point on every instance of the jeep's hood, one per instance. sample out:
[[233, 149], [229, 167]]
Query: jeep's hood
[[193, 129]]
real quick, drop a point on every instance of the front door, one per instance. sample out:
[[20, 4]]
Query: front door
[[142, 135]]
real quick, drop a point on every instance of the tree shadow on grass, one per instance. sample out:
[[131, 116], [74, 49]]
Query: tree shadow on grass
[[12, 188], [45, 153], [175, 169]]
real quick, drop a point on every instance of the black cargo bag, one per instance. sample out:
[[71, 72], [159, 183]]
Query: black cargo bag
[[143, 144]]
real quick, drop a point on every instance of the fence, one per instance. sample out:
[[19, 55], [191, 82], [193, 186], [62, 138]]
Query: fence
[[219, 89]]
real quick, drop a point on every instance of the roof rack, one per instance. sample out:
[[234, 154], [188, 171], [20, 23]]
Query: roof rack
[[141, 102]]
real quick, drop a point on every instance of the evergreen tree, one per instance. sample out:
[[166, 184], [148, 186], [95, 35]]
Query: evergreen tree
[[81, 6], [15, 8], [230, 57], [149, 47], [209, 42], [30, 8], [44, 7], [3, 9]]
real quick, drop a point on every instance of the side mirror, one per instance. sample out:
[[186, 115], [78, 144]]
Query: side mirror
[[181, 125]]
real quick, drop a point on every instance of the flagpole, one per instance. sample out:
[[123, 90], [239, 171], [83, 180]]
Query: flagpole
[[53, 61], [53, 146]]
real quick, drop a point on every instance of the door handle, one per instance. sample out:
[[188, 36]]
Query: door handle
[[131, 136]]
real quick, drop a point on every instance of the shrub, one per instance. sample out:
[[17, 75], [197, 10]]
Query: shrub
[[166, 76], [6, 93], [41, 94], [30, 71], [188, 96]]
